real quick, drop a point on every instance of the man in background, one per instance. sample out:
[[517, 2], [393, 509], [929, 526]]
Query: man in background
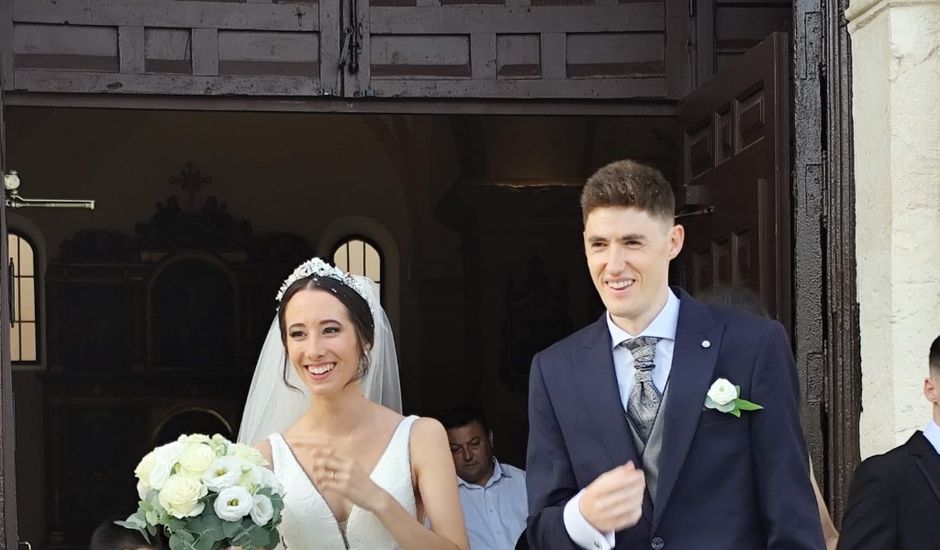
[[492, 494], [894, 502]]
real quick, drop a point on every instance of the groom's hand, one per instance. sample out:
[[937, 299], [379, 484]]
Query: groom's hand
[[614, 500]]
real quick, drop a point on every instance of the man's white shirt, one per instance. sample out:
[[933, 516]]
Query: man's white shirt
[[932, 433], [495, 513], [664, 328]]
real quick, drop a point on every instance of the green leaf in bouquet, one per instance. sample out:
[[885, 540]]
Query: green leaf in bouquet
[[204, 543], [274, 538], [207, 526], [178, 541], [136, 522], [231, 529], [172, 523], [152, 517], [262, 538]]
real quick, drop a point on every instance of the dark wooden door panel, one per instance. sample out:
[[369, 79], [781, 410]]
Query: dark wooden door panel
[[467, 49], [735, 163], [591, 49], [159, 47], [8, 531]]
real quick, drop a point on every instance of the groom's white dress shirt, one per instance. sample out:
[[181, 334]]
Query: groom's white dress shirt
[[664, 328], [932, 433]]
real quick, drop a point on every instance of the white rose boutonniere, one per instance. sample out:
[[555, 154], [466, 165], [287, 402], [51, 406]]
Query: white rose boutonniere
[[725, 397]]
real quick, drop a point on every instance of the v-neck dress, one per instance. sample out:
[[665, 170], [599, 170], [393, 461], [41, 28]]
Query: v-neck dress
[[307, 521]]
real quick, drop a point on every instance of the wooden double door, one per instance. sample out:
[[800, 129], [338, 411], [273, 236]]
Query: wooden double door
[[734, 187]]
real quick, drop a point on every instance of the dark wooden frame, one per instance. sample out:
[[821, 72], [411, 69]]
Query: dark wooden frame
[[825, 296], [824, 293], [8, 533]]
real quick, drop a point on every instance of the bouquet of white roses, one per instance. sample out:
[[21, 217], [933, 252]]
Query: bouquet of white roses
[[206, 494]]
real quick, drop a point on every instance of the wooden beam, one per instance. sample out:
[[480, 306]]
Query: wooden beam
[[554, 56], [703, 35], [635, 107], [131, 49], [633, 17], [483, 56], [609, 88], [114, 83], [330, 38], [678, 44], [152, 13], [6, 44], [205, 52], [8, 531]]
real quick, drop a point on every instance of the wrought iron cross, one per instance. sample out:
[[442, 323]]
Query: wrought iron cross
[[190, 180]]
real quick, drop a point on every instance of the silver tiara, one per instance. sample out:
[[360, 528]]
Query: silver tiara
[[315, 267]]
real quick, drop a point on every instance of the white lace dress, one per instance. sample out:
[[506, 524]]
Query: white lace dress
[[309, 524]]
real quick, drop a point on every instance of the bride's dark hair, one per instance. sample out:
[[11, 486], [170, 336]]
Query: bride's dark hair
[[355, 304]]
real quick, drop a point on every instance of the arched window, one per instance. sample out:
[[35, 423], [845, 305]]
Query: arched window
[[359, 256], [24, 270]]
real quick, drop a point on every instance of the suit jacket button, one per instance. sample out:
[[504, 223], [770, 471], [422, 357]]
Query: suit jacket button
[[657, 544]]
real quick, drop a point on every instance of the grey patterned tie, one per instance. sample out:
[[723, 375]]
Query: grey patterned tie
[[643, 404]]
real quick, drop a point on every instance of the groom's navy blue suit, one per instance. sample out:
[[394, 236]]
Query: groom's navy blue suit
[[725, 483]]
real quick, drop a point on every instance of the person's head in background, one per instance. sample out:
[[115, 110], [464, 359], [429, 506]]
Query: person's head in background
[[736, 297], [109, 536], [471, 442], [932, 382]]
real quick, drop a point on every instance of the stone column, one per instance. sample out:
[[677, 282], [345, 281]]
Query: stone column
[[896, 94]]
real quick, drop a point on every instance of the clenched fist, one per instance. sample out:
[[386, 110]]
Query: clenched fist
[[614, 500]]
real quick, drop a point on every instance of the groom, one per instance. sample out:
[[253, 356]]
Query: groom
[[628, 444]]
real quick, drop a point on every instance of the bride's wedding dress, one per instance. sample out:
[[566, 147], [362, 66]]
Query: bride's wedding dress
[[309, 524]]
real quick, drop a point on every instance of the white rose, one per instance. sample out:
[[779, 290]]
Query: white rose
[[246, 452], [194, 438], [219, 444], [721, 395], [181, 495], [233, 504], [169, 452], [160, 474], [196, 459], [223, 473], [145, 466], [262, 511]]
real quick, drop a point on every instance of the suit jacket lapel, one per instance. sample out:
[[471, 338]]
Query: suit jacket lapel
[[597, 382], [927, 459], [689, 379]]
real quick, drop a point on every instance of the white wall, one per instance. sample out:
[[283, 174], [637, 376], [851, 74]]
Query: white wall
[[896, 91]]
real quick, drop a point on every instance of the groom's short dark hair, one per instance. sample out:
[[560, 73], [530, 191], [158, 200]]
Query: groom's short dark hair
[[629, 183], [935, 356]]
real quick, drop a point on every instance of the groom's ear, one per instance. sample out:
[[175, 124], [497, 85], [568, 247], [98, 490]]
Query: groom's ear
[[490, 437]]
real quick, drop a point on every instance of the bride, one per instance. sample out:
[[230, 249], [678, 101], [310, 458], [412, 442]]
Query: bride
[[356, 473]]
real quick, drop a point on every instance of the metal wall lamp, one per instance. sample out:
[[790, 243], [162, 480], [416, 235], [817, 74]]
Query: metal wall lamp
[[11, 182]]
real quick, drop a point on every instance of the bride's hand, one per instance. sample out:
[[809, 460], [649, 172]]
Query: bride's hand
[[333, 471]]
